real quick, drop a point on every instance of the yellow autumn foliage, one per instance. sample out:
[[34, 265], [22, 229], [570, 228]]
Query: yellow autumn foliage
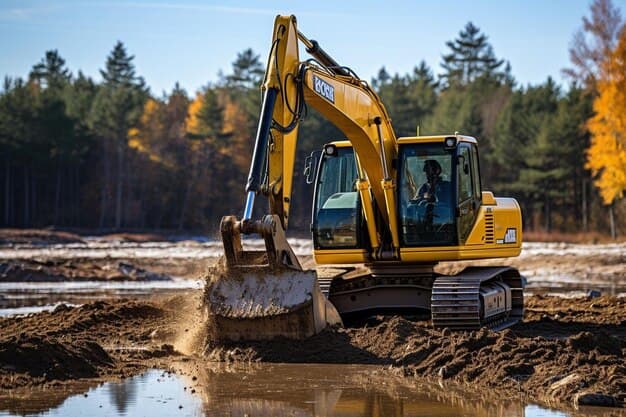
[[193, 122], [606, 156], [145, 138]]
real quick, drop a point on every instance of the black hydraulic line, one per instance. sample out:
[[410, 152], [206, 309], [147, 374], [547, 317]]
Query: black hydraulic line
[[255, 177], [316, 50]]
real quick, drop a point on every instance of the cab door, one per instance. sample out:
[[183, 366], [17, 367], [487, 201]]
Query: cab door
[[337, 208], [467, 197]]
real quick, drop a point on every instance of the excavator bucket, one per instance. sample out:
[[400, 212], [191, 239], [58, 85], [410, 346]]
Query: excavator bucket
[[259, 295]]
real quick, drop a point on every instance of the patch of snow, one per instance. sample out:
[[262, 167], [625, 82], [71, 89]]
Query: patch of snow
[[153, 250], [91, 286], [22, 311]]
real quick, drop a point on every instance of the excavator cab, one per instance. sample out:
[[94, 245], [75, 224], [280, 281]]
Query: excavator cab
[[439, 193]]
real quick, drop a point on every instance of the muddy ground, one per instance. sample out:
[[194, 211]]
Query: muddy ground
[[567, 351], [96, 340], [53, 256]]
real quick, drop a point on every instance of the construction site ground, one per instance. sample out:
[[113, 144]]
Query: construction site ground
[[569, 351]]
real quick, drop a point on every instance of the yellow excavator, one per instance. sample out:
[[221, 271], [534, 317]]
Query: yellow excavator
[[394, 206]]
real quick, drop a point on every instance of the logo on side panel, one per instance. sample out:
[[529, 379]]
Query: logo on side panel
[[510, 236], [324, 89]]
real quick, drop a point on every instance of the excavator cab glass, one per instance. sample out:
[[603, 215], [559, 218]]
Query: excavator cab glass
[[336, 213], [426, 195]]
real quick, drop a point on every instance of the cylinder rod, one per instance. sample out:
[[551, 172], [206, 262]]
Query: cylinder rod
[[314, 48], [260, 144], [247, 211], [381, 142]]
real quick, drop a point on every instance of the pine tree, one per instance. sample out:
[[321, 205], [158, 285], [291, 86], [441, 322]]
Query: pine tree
[[382, 79], [517, 162], [117, 108], [243, 86], [471, 57], [409, 99], [247, 71], [51, 72], [18, 134]]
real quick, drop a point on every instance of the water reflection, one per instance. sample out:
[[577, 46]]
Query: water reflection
[[265, 390], [344, 391], [121, 395]]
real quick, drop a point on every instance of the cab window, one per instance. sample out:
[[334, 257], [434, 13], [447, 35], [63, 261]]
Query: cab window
[[337, 210], [464, 171], [426, 195], [476, 173]]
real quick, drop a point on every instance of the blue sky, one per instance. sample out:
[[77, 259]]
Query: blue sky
[[190, 41]]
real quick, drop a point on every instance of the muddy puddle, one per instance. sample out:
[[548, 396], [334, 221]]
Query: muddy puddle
[[270, 390]]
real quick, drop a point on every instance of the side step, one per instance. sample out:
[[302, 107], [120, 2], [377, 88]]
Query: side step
[[478, 297]]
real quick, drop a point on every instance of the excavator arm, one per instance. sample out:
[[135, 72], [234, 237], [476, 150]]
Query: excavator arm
[[263, 294], [346, 101]]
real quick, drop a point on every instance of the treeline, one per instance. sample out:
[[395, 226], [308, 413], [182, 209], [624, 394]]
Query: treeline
[[110, 154]]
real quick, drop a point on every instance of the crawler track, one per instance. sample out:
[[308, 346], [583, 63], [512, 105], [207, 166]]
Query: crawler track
[[457, 302]]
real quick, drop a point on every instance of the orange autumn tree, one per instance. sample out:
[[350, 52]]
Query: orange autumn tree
[[606, 156]]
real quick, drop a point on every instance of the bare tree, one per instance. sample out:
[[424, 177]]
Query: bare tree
[[593, 42]]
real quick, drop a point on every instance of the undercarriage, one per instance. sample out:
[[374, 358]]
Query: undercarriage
[[477, 297]]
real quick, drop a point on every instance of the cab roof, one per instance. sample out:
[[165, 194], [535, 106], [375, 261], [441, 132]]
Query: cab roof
[[434, 139], [417, 139]]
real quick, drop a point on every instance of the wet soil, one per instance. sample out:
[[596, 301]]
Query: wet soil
[[567, 351], [52, 236], [39, 255], [96, 340], [62, 270], [36, 236]]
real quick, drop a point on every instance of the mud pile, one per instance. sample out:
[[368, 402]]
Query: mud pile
[[95, 340], [565, 351]]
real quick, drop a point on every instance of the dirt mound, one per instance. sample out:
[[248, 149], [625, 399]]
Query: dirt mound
[[94, 340], [566, 350], [133, 237], [50, 359], [583, 362]]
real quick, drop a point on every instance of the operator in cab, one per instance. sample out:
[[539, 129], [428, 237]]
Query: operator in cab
[[434, 189]]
